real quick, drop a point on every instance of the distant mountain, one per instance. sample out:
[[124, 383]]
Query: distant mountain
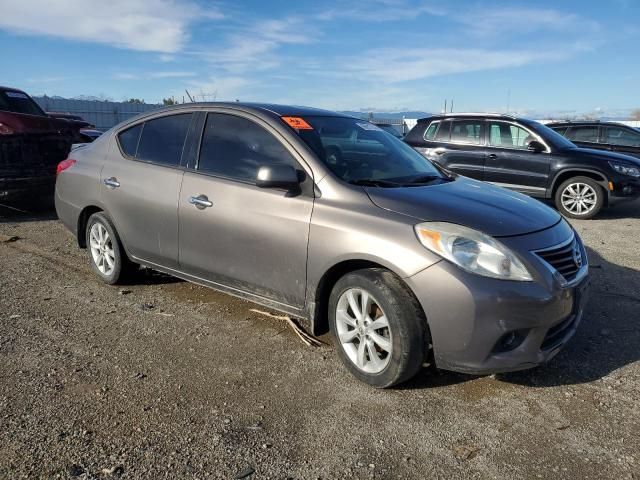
[[388, 115]]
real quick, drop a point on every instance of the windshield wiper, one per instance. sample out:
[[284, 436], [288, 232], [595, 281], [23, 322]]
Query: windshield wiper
[[424, 179], [369, 182]]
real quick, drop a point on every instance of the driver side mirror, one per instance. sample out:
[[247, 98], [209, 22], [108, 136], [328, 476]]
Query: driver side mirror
[[536, 146], [277, 176]]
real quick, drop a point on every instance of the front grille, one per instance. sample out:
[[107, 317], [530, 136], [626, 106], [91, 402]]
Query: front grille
[[566, 259]]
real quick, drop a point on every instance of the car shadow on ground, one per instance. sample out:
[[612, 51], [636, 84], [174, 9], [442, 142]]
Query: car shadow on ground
[[607, 339]]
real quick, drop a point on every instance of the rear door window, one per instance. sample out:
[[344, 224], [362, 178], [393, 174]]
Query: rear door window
[[235, 147], [162, 139], [466, 131], [444, 131], [583, 134]]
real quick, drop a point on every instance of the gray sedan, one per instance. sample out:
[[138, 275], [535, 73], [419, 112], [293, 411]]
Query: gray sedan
[[328, 218]]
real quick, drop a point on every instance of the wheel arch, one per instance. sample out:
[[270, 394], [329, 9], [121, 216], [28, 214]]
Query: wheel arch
[[83, 219], [566, 174], [322, 290]]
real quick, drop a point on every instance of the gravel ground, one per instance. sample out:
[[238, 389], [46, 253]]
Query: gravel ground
[[164, 379]]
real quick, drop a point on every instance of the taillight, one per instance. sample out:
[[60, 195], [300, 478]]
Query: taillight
[[5, 129], [65, 164]]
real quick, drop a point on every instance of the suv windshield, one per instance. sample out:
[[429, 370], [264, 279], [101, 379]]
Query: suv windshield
[[363, 154], [18, 102], [551, 136]]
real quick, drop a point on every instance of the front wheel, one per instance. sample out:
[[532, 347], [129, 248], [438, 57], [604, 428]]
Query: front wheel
[[579, 197], [378, 326]]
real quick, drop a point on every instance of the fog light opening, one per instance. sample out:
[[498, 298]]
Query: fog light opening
[[510, 341]]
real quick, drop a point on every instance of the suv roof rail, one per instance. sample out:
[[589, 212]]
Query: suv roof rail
[[478, 114]]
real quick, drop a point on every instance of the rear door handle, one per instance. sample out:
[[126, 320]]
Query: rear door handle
[[111, 182], [201, 202], [492, 156], [439, 150]]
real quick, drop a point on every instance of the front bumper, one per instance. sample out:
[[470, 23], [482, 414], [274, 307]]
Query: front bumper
[[471, 316], [624, 188]]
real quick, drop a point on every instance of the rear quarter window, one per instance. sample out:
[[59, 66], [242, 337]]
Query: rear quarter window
[[430, 132], [129, 140]]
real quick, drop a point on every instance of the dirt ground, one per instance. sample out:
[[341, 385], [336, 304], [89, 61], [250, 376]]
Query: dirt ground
[[164, 379]]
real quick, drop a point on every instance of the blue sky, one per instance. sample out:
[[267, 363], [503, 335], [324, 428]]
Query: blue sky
[[560, 57]]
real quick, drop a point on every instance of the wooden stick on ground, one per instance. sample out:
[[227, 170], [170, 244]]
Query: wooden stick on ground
[[304, 336]]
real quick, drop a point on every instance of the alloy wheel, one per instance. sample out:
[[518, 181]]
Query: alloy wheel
[[363, 330], [102, 251], [579, 198]]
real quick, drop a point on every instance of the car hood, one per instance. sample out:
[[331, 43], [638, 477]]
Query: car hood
[[604, 155], [484, 207]]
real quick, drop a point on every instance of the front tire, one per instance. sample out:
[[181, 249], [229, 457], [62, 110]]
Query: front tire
[[106, 254], [580, 198], [378, 326]]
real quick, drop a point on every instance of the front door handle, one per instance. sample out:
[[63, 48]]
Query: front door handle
[[492, 156], [111, 182], [201, 202], [439, 150]]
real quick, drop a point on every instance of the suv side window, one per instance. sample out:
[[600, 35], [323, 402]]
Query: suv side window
[[622, 136], [506, 135], [560, 130], [444, 132], [162, 139], [235, 147], [466, 131], [583, 134], [129, 140], [430, 132]]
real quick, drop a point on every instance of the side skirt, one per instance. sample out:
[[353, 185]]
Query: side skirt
[[251, 297]]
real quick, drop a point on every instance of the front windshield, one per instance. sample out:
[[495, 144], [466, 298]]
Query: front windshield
[[359, 152], [553, 137]]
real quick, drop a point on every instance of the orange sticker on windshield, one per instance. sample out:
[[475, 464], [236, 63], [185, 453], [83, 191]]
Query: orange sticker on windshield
[[297, 123]]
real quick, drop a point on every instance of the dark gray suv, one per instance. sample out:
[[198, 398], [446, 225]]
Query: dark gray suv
[[328, 218]]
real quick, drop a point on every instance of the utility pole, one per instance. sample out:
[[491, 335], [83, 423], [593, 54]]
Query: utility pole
[[445, 105], [189, 95]]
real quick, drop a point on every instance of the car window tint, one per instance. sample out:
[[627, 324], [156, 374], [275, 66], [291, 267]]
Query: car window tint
[[430, 133], [443, 132], [622, 136], [583, 134], [129, 140], [506, 135], [235, 147], [466, 131], [163, 138]]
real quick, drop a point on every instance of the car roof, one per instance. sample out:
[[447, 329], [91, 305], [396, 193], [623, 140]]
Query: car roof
[[11, 89], [569, 123], [269, 108]]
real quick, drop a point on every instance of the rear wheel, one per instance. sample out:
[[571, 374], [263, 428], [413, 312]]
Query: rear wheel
[[107, 256], [378, 326], [579, 197]]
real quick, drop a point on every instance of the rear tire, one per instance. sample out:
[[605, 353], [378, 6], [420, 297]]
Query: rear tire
[[390, 342], [106, 254], [579, 197]]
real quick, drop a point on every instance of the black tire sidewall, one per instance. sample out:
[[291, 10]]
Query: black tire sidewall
[[118, 252], [409, 331], [593, 184]]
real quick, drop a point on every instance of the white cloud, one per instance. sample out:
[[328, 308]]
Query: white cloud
[[151, 75], [146, 25], [399, 65]]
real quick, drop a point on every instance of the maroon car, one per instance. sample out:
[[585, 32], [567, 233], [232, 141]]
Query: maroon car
[[31, 145]]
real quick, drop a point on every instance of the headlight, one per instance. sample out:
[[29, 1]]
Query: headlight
[[625, 169], [472, 251]]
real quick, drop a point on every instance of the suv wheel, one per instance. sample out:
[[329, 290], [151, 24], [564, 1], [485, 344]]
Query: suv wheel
[[579, 197], [379, 327], [106, 254]]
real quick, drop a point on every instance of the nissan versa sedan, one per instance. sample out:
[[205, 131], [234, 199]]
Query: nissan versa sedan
[[330, 219]]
